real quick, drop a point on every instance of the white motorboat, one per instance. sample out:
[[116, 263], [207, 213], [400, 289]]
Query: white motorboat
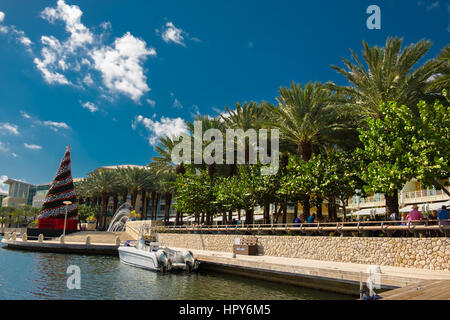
[[156, 257]]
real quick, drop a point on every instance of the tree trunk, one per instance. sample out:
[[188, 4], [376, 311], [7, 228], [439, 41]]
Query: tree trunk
[[167, 199], [143, 196], [332, 215], [319, 209], [249, 216], [306, 206], [133, 199], [105, 199], [147, 200], [230, 217], [115, 203], [305, 150], [391, 203], [124, 196], [266, 213]]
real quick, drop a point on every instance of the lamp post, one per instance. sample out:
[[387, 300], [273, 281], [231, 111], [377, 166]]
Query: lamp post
[[67, 203]]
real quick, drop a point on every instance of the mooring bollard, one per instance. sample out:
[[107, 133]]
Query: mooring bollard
[[117, 241], [41, 238], [24, 237], [61, 239], [88, 240]]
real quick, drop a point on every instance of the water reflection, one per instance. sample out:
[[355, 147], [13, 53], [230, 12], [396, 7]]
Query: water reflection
[[29, 275]]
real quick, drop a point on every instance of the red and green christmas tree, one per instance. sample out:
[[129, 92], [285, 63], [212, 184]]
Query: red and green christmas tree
[[62, 189]]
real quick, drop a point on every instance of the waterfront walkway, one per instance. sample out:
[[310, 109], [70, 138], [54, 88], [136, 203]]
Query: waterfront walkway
[[425, 290], [326, 275]]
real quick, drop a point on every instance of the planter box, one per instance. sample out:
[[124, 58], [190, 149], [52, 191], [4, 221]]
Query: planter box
[[90, 226], [245, 249]]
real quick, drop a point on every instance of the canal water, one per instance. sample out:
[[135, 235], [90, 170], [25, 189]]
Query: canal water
[[35, 275]]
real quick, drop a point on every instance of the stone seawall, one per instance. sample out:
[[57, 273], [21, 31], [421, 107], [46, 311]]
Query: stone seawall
[[424, 253]]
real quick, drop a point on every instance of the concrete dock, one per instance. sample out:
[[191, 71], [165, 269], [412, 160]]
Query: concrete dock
[[324, 275], [101, 243], [425, 290]]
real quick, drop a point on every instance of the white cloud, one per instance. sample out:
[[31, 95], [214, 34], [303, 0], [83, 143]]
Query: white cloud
[[25, 115], [3, 147], [9, 128], [177, 104], [50, 124], [151, 102], [166, 127], [121, 66], [433, 5], [3, 186], [88, 80], [32, 146], [71, 16], [55, 125], [106, 25], [14, 155], [170, 33], [18, 35], [90, 106]]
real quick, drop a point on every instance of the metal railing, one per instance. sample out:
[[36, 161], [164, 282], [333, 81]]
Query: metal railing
[[386, 227]]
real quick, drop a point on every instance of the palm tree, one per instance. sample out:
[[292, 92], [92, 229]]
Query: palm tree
[[441, 80], [135, 179], [308, 118], [104, 184], [389, 74], [246, 116]]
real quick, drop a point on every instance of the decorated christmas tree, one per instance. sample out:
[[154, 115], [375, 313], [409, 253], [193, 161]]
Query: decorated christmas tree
[[61, 190]]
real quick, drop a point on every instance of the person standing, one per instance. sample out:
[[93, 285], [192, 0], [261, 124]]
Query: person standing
[[443, 219], [415, 214], [442, 215], [311, 218]]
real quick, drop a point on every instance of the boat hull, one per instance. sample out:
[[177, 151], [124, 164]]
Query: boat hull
[[138, 258]]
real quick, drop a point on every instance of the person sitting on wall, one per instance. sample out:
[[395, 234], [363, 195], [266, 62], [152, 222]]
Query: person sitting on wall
[[442, 215], [311, 218], [297, 220]]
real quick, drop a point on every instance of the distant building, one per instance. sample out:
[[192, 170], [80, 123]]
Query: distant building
[[21, 193], [413, 193], [2, 196]]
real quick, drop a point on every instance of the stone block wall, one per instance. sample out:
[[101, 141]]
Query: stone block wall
[[425, 253]]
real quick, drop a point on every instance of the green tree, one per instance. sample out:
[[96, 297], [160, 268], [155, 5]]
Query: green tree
[[389, 74], [400, 146]]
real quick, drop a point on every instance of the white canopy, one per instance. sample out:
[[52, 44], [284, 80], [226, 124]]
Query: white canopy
[[370, 211], [426, 206]]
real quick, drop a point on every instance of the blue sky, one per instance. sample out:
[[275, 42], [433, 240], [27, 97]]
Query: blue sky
[[110, 77]]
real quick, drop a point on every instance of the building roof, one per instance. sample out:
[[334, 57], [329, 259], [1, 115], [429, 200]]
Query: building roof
[[9, 181]]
